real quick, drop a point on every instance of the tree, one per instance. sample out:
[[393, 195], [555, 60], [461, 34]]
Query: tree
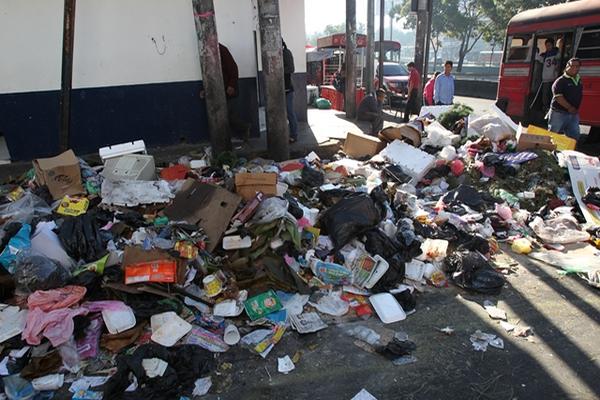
[[468, 21], [438, 23]]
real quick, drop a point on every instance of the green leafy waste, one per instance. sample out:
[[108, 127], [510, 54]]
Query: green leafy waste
[[454, 114]]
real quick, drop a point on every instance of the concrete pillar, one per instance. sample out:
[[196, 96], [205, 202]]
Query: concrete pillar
[[369, 73], [350, 100], [272, 68], [212, 75]]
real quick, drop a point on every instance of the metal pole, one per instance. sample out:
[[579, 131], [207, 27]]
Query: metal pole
[[212, 75], [272, 64], [427, 44], [350, 100], [370, 51], [381, 32], [67, 73]]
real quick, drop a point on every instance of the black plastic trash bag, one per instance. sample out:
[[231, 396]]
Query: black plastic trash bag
[[37, 272], [186, 364], [349, 218], [471, 271], [466, 195], [312, 178], [81, 238]]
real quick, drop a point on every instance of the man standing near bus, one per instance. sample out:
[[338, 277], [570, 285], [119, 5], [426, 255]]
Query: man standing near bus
[[443, 91], [414, 85], [567, 92], [550, 60]]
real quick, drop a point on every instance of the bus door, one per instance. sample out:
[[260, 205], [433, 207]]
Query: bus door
[[545, 70]]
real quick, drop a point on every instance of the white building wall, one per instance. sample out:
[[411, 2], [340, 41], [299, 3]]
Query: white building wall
[[31, 32], [129, 42]]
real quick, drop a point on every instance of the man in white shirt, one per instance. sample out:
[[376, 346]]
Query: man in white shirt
[[443, 91], [550, 60]]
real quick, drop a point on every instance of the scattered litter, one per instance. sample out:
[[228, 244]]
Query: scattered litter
[[285, 365], [493, 311], [363, 395], [481, 341]]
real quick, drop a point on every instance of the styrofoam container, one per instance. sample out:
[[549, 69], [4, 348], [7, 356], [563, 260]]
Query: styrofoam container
[[171, 331], [387, 308], [118, 321], [122, 149], [236, 242]]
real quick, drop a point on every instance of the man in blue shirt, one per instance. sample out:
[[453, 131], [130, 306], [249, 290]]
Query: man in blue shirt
[[568, 93], [443, 91]]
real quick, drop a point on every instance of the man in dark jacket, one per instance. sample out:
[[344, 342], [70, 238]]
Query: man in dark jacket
[[230, 72], [288, 70], [371, 109]]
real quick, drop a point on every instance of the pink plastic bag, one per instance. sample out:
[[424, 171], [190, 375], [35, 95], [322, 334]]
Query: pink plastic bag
[[87, 347], [48, 300], [56, 325]]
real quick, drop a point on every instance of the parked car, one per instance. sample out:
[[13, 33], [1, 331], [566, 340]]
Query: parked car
[[395, 77]]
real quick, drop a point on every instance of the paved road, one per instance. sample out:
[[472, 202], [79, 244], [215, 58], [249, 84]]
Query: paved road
[[561, 361]]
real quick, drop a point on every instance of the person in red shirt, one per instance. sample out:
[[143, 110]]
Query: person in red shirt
[[414, 84], [428, 90]]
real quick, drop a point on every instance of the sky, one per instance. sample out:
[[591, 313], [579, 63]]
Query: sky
[[320, 13]]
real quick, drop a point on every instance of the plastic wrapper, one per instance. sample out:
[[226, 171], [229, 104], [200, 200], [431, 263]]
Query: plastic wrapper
[[16, 245], [561, 230], [471, 271], [272, 209], [25, 209], [37, 272]]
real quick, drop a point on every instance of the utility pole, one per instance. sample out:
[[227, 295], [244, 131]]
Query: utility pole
[[421, 36], [381, 32], [212, 75], [67, 74], [272, 65], [350, 100], [391, 21], [370, 51]]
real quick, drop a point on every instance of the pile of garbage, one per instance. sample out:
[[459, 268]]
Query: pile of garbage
[[124, 280]]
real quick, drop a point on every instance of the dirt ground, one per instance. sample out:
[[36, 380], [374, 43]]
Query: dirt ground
[[560, 361]]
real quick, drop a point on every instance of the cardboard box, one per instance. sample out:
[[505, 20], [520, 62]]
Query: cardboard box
[[563, 142], [61, 174], [208, 206], [153, 265], [358, 145], [529, 141], [248, 184]]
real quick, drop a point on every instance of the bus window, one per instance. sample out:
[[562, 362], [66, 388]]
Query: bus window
[[518, 49], [589, 45]]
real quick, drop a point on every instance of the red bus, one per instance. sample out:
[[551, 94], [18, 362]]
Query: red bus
[[575, 29]]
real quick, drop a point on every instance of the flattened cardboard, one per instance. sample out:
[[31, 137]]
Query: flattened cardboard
[[248, 184], [208, 206], [61, 174], [358, 145]]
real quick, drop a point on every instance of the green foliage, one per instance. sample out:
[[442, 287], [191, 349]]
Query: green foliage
[[454, 114], [469, 20]]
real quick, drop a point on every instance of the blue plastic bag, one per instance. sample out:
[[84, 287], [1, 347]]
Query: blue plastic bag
[[21, 241]]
